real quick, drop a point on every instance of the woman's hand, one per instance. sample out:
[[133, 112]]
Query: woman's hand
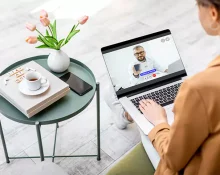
[[153, 112]]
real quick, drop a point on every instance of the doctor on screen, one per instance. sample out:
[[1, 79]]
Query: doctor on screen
[[140, 69]]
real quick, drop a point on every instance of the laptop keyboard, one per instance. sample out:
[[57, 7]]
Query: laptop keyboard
[[163, 97]]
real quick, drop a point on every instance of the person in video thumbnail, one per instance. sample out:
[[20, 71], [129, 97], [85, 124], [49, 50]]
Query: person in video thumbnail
[[142, 65]]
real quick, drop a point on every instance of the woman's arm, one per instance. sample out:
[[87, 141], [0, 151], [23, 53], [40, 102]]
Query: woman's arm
[[177, 144]]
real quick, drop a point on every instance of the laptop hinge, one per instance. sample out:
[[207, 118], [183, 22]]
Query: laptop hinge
[[150, 87]]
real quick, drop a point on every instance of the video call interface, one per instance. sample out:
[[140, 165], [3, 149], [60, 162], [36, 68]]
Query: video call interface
[[143, 62]]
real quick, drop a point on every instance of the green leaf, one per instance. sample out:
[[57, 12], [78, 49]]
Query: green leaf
[[73, 28], [42, 46], [39, 39], [46, 42], [51, 26], [47, 33], [71, 35], [51, 39], [60, 43], [54, 29]]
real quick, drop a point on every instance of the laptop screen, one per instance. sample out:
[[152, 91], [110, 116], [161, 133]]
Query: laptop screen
[[139, 62]]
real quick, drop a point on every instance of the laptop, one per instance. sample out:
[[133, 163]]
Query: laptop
[[175, 67], [158, 76]]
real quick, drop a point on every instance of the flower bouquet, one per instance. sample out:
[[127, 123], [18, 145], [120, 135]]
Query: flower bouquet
[[58, 61]]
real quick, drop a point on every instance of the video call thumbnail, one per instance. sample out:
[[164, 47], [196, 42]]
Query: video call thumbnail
[[144, 62]]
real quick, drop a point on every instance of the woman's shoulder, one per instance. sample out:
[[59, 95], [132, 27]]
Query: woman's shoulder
[[195, 78], [203, 80]]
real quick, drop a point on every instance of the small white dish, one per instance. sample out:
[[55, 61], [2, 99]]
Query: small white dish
[[23, 88]]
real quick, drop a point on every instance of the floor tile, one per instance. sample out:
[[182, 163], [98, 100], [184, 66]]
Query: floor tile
[[86, 166]]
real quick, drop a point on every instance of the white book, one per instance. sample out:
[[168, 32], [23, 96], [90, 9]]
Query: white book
[[31, 105]]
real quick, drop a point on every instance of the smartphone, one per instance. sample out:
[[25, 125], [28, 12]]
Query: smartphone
[[137, 67], [76, 84]]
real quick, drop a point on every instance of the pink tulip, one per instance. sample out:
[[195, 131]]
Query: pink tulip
[[83, 20], [45, 21], [31, 40], [31, 27], [43, 14]]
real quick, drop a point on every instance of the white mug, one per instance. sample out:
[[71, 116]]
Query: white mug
[[34, 81]]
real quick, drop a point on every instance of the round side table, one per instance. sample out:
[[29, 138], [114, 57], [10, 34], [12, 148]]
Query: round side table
[[65, 108]]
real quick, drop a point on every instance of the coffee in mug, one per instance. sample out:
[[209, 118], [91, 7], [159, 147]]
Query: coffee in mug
[[34, 80]]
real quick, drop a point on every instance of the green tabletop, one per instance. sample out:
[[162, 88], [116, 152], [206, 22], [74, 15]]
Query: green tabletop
[[63, 109]]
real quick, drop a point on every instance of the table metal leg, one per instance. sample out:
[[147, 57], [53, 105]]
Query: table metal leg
[[4, 144], [40, 141], [55, 140], [98, 121]]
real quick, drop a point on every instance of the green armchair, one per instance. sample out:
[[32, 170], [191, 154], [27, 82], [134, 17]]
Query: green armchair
[[135, 163]]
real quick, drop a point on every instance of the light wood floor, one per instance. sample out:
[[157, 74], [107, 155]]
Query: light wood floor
[[118, 21]]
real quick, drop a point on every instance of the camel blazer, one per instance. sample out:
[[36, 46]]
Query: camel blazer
[[191, 146]]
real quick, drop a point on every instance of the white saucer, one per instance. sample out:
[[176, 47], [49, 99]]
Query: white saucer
[[24, 89]]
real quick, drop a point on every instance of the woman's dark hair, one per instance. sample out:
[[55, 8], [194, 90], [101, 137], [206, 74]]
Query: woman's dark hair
[[208, 3]]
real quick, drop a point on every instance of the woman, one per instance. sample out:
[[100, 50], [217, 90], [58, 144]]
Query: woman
[[192, 144]]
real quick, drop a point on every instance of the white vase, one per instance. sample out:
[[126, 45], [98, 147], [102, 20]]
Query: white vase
[[58, 61]]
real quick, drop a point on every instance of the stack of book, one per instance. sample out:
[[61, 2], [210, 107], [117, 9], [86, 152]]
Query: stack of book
[[31, 105]]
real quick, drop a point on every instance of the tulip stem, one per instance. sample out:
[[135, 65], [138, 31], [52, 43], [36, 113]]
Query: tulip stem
[[39, 32], [76, 25], [50, 30]]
